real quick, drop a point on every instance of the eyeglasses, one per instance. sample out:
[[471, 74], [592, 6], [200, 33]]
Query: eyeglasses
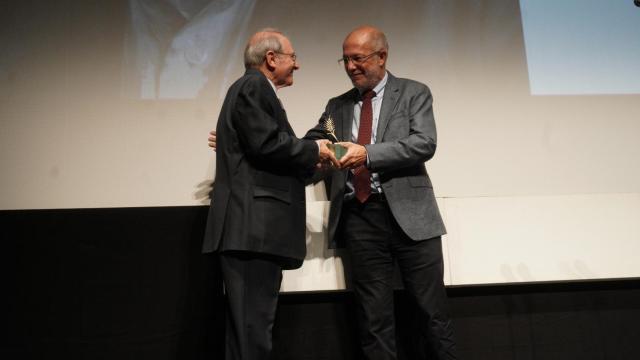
[[356, 59], [292, 55]]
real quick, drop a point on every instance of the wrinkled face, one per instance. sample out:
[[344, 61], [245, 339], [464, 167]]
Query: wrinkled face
[[366, 65], [284, 64]]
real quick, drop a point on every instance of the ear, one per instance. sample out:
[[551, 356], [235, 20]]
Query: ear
[[382, 58], [270, 59]]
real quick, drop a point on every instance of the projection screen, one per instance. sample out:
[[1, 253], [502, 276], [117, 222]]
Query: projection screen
[[108, 104]]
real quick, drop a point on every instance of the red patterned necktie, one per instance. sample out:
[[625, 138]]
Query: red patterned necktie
[[361, 175]]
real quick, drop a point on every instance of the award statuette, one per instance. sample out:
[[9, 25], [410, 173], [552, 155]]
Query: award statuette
[[330, 128]]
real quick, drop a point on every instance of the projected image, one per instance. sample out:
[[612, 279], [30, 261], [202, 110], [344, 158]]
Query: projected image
[[146, 79], [175, 47], [582, 46]]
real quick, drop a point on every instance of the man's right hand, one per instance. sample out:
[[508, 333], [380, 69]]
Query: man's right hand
[[212, 139], [356, 156], [327, 157]]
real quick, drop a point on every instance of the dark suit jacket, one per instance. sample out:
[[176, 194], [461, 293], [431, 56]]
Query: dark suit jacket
[[406, 139], [258, 197]]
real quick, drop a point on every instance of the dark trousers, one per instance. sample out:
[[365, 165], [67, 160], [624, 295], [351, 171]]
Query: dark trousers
[[251, 283], [375, 241]]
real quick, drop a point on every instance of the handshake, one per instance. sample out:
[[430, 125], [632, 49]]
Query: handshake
[[355, 155]]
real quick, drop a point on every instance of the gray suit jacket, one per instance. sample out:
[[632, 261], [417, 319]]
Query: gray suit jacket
[[406, 139]]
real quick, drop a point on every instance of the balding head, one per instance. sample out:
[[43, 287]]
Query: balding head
[[367, 34], [365, 56]]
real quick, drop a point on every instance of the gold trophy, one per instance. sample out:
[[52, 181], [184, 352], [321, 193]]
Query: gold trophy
[[330, 128]]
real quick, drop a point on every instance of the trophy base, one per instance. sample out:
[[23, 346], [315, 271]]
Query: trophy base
[[338, 150]]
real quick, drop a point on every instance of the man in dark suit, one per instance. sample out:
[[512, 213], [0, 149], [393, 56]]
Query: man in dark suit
[[383, 207], [256, 222]]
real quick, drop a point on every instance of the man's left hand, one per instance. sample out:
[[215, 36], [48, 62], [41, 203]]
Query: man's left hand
[[212, 139]]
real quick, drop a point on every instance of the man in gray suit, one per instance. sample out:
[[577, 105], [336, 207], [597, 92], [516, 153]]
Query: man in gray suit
[[382, 203]]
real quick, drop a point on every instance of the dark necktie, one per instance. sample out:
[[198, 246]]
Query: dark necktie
[[361, 175]]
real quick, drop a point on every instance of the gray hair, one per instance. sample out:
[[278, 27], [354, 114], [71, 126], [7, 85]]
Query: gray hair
[[259, 44], [380, 39]]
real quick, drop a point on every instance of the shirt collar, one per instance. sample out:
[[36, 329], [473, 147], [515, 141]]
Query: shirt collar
[[379, 88], [275, 90]]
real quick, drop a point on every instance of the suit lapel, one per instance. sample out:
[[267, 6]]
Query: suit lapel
[[279, 112], [391, 94], [285, 121]]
